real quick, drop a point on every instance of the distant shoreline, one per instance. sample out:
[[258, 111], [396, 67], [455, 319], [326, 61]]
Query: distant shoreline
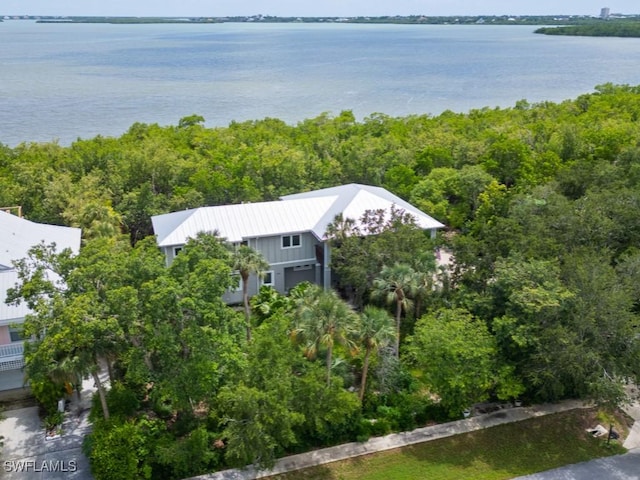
[[623, 26], [544, 20]]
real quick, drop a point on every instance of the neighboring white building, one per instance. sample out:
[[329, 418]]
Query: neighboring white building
[[16, 238], [290, 232]]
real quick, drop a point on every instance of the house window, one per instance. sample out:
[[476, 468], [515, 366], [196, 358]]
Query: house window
[[176, 251], [15, 334], [267, 279], [290, 241]]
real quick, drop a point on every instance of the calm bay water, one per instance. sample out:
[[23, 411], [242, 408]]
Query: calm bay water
[[63, 82]]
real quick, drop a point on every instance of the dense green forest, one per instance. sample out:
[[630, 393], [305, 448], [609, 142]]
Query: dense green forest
[[629, 27], [542, 205]]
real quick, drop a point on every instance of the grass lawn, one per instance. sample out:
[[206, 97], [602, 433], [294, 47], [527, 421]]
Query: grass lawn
[[501, 452]]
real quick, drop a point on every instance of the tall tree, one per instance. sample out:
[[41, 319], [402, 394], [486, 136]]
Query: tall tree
[[258, 412], [426, 279], [458, 360], [73, 330], [374, 331], [323, 319], [359, 250], [605, 347], [248, 261], [395, 285], [194, 337]]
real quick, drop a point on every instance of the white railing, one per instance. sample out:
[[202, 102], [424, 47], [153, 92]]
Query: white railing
[[11, 350], [11, 356]]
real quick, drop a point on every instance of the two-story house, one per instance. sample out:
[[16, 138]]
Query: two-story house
[[290, 232], [17, 236]]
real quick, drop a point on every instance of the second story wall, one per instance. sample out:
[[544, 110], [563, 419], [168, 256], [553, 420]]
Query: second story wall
[[277, 249], [286, 248]]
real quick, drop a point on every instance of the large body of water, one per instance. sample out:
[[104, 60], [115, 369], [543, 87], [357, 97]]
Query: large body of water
[[63, 82]]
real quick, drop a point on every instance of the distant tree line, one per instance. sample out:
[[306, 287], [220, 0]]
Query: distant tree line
[[609, 28]]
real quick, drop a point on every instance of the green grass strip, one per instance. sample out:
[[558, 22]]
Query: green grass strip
[[496, 453]]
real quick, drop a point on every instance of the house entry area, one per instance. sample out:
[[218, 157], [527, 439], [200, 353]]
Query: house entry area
[[301, 273]]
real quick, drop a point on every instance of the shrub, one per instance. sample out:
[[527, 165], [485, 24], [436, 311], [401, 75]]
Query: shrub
[[52, 420], [122, 450], [189, 456], [378, 427], [47, 394], [122, 400]]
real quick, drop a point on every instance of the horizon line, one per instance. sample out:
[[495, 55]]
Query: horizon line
[[23, 15]]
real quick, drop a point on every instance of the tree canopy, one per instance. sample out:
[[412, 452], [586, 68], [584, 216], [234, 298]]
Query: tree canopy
[[540, 301]]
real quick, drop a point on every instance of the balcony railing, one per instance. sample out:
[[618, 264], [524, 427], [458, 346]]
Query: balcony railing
[[11, 356]]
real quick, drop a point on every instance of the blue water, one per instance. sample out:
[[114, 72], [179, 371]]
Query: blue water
[[63, 82]]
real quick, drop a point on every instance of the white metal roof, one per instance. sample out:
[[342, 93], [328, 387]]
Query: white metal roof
[[10, 314], [302, 212], [355, 199], [17, 236], [238, 222]]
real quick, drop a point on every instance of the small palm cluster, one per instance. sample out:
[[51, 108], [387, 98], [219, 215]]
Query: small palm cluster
[[406, 287], [323, 320]]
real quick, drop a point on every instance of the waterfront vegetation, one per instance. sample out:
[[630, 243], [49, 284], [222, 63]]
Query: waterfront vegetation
[[613, 28], [542, 205]]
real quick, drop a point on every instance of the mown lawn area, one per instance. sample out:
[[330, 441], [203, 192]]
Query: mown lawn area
[[501, 452]]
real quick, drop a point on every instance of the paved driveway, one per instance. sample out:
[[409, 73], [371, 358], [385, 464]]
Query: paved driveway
[[27, 455]]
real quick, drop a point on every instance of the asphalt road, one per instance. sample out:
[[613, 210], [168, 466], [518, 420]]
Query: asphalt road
[[619, 467]]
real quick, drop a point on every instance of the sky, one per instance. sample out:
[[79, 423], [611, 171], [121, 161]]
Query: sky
[[309, 8]]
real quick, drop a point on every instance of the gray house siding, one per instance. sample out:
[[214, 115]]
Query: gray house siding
[[12, 379], [288, 265], [171, 252], [293, 264], [295, 275], [273, 251], [235, 296]]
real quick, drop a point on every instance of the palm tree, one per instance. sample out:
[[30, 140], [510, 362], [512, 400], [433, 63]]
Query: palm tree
[[375, 331], [247, 261], [425, 275], [395, 285], [323, 320]]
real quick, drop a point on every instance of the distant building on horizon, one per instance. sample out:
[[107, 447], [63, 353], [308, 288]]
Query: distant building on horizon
[[605, 12]]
